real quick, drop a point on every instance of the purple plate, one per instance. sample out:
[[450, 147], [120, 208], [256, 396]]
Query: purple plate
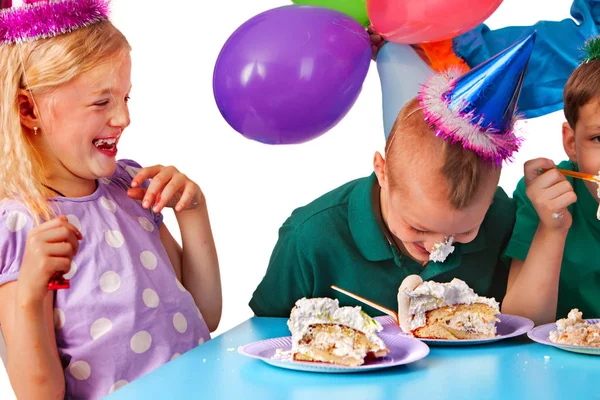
[[508, 327], [403, 350], [541, 335]]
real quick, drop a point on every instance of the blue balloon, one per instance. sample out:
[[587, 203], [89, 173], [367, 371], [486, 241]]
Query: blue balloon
[[401, 72]]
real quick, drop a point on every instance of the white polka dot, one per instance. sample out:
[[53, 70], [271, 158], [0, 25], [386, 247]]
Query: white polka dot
[[180, 286], [150, 298], [106, 181], [117, 385], [140, 342], [100, 327], [80, 370], [146, 224], [16, 221], [132, 171], [148, 260], [73, 220], [110, 281], [108, 204], [72, 271], [114, 239], [59, 318], [200, 341], [179, 322], [175, 356]]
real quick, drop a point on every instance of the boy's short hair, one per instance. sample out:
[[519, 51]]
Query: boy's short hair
[[582, 87], [461, 168]]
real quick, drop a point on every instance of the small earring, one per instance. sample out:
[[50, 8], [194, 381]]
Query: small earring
[[35, 130]]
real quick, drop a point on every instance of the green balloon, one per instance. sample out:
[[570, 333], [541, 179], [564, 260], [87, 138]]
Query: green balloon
[[357, 9]]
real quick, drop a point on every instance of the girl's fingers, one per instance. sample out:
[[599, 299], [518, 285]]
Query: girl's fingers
[[146, 173], [63, 249], [53, 223], [60, 264], [60, 234], [174, 186], [156, 187], [136, 193], [187, 196]]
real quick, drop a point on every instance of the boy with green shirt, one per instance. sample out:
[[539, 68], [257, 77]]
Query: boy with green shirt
[[437, 185], [555, 246]]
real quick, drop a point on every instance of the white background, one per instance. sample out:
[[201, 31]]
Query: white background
[[251, 188]]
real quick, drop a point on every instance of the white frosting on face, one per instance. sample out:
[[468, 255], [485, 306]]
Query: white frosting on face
[[442, 250], [431, 295], [328, 311]]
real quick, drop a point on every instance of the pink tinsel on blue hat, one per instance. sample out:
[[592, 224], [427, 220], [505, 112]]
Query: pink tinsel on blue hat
[[478, 109]]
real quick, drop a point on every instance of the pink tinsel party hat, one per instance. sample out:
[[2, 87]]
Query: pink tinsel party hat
[[478, 109], [47, 18]]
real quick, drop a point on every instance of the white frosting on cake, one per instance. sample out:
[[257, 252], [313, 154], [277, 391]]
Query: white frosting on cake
[[431, 295], [442, 250], [328, 311], [574, 330]]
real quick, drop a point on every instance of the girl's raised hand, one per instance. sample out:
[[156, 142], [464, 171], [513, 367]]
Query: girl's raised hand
[[49, 249], [168, 188]]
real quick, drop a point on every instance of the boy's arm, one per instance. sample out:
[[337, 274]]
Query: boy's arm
[[533, 284], [289, 277]]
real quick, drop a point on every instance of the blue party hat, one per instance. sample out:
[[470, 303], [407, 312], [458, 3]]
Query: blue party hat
[[478, 108]]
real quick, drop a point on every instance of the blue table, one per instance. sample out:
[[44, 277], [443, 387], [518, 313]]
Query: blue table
[[510, 369]]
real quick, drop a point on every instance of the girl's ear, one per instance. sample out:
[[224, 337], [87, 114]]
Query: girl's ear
[[27, 110]]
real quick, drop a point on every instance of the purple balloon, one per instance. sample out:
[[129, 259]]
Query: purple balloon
[[292, 73]]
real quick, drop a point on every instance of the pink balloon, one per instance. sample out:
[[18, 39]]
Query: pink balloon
[[420, 21]]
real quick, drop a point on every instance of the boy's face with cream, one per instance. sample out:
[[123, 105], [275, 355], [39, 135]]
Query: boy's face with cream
[[419, 204]]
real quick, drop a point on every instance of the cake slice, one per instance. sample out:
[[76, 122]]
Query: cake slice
[[575, 331], [322, 331], [451, 311]]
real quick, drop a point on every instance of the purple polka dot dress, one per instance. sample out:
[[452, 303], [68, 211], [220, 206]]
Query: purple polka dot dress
[[126, 313]]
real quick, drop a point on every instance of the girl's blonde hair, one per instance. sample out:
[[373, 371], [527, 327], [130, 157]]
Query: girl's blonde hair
[[42, 66]]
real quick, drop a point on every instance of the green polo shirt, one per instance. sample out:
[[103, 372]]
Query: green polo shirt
[[339, 239], [579, 285]]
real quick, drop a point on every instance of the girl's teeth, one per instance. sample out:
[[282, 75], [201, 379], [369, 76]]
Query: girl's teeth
[[102, 142]]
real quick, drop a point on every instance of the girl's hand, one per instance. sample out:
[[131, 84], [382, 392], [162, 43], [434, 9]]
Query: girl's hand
[[49, 249], [550, 193], [168, 188], [376, 41]]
